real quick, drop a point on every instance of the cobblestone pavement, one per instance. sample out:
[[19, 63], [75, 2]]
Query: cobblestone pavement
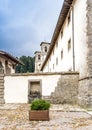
[[15, 117]]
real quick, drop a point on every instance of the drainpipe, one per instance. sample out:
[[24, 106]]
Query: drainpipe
[[73, 38], [72, 32]]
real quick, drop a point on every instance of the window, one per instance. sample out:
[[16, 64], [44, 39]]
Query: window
[[69, 45], [61, 34], [62, 54], [53, 66], [69, 18], [57, 61], [39, 57], [45, 49]]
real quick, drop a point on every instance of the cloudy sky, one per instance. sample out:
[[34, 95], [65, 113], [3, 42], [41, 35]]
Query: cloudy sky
[[24, 24]]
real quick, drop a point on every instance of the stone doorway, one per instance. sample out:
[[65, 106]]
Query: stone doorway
[[34, 90]]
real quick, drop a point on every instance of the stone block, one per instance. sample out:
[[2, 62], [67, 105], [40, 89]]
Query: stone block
[[66, 90]]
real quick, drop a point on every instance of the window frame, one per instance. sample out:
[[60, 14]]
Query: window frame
[[62, 54], [39, 57], [69, 44]]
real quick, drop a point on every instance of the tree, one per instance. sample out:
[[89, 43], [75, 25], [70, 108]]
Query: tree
[[28, 65]]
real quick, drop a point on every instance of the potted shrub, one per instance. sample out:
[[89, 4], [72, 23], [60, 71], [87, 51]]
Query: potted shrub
[[39, 110]]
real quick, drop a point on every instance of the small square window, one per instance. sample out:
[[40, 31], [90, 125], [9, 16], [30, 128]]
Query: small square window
[[69, 44], [62, 54], [45, 48], [39, 57], [69, 19], [53, 66]]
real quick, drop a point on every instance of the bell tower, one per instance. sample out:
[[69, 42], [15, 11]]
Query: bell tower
[[41, 55]]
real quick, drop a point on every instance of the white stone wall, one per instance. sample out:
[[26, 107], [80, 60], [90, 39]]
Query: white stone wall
[[80, 47], [16, 86], [80, 26]]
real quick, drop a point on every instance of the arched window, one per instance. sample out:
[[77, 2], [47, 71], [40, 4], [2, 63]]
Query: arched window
[[45, 49]]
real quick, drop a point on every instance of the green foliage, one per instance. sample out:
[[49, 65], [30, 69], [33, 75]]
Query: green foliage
[[40, 104], [28, 65]]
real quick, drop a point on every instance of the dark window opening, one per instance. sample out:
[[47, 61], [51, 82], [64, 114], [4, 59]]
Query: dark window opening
[[45, 49], [69, 19], [39, 57], [62, 54], [61, 34], [69, 44], [53, 66]]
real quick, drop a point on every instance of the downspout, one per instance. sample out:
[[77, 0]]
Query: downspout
[[72, 33], [73, 38]]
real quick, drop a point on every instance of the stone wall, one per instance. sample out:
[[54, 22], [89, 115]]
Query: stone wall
[[66, 90], [1, 88], [89, 36], [85, 92], [85, 83], [57, 87], [16, 85]]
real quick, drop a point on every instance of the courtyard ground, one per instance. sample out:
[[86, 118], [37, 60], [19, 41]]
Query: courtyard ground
[[62, 117]]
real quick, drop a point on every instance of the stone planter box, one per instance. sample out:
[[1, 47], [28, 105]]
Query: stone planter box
[[39, 115]]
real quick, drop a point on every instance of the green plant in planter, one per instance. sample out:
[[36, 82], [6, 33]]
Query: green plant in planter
[[40, 104], [39, 110]]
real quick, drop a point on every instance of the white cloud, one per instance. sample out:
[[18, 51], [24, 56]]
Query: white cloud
[[28, 23]]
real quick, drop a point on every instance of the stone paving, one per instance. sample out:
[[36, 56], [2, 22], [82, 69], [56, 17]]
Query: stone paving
[[62, 117]]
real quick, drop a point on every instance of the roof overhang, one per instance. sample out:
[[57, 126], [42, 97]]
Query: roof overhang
[[44, 43], [8, 56]]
